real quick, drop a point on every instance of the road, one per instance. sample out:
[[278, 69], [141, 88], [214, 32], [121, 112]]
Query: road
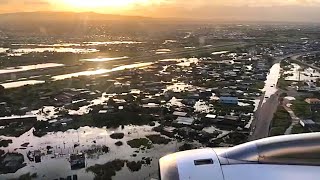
[[263, 117], [295, 119], [264, 114], [295, 58]]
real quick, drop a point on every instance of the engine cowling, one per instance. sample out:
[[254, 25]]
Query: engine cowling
[[276, 158]]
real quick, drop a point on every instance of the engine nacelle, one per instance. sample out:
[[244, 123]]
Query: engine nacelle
[[293, 157]]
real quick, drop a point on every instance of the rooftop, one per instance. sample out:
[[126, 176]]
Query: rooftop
[[184, 120], [211, 116], [312, 100], [177, 113]]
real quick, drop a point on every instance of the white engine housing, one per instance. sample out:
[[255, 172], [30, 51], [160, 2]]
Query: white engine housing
[[293, 157]]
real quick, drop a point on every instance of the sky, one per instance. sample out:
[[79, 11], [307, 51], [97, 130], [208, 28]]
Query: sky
[[263, 10]]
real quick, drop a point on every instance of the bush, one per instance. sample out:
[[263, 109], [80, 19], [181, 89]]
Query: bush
[[106, 171], [142, 142], [157, 139], [301, 108], [117, 135], [5, 143], [280, 122], [297, 129], [134, 166]]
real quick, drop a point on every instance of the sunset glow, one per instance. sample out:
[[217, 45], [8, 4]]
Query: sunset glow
[[99, 4]]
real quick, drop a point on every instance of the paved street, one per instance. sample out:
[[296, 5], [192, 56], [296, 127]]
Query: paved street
[[264, 117], [264, 114]]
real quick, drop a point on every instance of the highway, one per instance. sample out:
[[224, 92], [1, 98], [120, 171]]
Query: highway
[[263, 116]]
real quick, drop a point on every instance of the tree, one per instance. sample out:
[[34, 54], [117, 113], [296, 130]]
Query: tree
[[2, 90]]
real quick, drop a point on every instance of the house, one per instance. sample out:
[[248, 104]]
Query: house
[[184, 120], [177, 113], [312, 101], [211, 116], [77, 161], [37, 156], [24, 119], [229, 120], [228, 100], [168, 131], [308, 123]]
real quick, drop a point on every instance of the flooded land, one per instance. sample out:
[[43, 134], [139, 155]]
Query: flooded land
[[108, 106]]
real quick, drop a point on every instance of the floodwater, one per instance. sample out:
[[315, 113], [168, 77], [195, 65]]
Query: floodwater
[[169, 41], [162, 51], [306, 75], [53, 49], [270, 87], [180, 87], [62, 144], [202, 107], [45, 113], [213, 129], [21, 83], [183, 62], [176, 102], [104, 59], [111, 43], [219, 52], [49, 45], [29, 67], [100, 71], [188, 35], [3, 50], [80, 44], [187, 62]]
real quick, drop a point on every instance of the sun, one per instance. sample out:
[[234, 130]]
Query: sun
[[97, 4]]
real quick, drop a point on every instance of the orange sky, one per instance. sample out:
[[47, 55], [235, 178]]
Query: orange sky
[[301, 10]]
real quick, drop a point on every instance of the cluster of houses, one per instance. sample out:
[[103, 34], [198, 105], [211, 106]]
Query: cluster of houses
[[311, 124]]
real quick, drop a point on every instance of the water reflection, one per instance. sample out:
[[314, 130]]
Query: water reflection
[[188, 62], [79, 44], [179, 87], [219, 52], [162, 51], [104, 59], [29, 67], [21, 83], [271, 83], [49, 45], [100, 71], [3, 50], [60, 49], [111, 43]]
